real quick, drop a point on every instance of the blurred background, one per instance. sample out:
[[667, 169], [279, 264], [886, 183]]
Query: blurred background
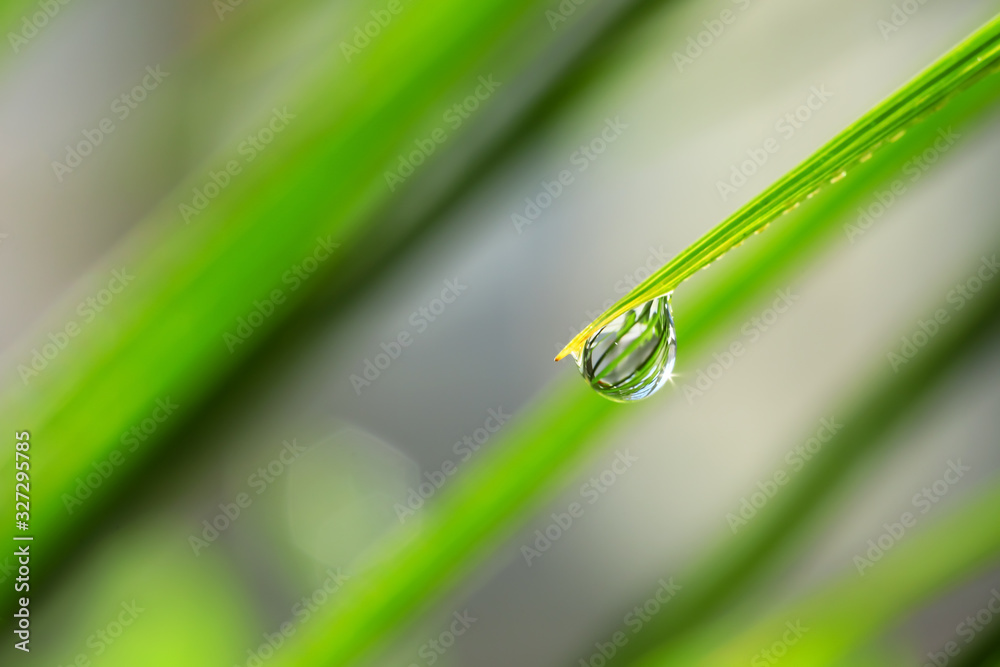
[[300, 450]]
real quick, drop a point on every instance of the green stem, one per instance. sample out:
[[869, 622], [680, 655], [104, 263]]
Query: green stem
[[885, 123]]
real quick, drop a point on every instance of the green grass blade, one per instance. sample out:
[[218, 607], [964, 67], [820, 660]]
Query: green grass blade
[[885, 398], [163, 336], [529, 462], [973, 58], [134, 367], [854, 610]]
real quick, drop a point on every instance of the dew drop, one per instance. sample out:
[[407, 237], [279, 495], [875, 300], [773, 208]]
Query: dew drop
[[632, 357]]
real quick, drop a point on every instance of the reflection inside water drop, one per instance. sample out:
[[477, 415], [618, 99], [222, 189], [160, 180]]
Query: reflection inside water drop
[[632, 357]]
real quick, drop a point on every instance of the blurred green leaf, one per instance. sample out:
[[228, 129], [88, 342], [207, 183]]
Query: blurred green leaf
[[853, 610], [165, 336], [143, 600], [877, 405], [180, 325], [538, 452]]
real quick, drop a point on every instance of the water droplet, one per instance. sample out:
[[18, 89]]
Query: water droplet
[[632, 357]]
